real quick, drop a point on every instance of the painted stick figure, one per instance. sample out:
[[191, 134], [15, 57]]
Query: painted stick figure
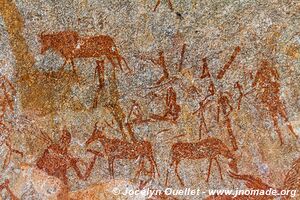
[[161, 63], [238, 86], [225, 107], [173, 109], [99, 72], [206, 74], [136, 115], [200, 113]]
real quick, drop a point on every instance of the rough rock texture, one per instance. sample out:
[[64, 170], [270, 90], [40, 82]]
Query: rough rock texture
[[100, 97]]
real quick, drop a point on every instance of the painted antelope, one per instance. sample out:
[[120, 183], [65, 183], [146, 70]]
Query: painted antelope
[[209, 148], [120, 149], [70, 46]]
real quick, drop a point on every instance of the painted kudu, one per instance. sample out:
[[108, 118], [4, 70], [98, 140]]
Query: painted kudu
[[70, 46], [116, 149]]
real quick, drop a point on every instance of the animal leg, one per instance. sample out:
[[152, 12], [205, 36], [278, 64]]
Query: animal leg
[[112, 62], [209, 168], [276, 127], [292, 130], [110, 167], [157, 4], [200, 127], [90, 168], [73, 66], [77, 171], [95, 101], [161, 79], [240, 101], [120, 59], [63, 66], [219, 167], [170, 5], [140, 167], [167, 176], [126, 64], [177, 174], [231, 136], [155, 165], [283, 114]]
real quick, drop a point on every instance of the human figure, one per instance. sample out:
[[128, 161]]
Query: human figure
[[99, 72], [224, 106], [267, 85], [6, 98], [172, 108], [135, 115], [206, 74], [5, 185], [160, 62], [7, 93], [200, 113], [56, 160]]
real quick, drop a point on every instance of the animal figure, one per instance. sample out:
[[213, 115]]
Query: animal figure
[[116, 149], [209, 148], [70, 46]]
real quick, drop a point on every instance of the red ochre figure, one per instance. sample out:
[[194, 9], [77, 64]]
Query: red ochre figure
[[5, 186], [209, 148], [7, 94], [224, 106], [267, 84], [228, 64], [172, 108], [135, 115], [56, 160], [70, 46], [116, 149], [99, 72], [200, 113]]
